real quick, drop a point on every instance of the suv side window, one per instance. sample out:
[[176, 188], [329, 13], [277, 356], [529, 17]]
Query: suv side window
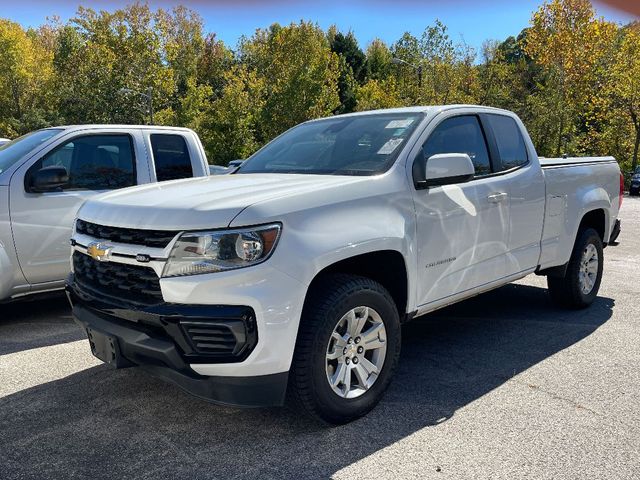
[[94, 162], [511, 146], [461, 134], [171, 157]]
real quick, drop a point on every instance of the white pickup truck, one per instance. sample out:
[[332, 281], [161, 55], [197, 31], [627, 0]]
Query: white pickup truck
[[294, 273], [46, 175]]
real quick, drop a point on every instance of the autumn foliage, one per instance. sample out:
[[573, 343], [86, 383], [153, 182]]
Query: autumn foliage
[[572, 77]]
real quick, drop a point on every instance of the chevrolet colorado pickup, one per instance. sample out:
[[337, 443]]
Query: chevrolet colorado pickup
[[46, 175], [291, 276]]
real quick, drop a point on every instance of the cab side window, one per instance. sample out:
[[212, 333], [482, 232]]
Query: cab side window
[[171, 157], [94, 162], [461, 134], [511, 146]]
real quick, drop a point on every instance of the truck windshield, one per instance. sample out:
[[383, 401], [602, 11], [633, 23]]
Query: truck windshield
[[13, 151], [350, 145]]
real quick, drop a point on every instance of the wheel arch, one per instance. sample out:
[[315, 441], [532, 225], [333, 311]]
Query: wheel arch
[[387, 267], [596, 219]]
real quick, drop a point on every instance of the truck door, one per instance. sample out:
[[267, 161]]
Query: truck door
[[462, 229], [42, 222], [526, 190]]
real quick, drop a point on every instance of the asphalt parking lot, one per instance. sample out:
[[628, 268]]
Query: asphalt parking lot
[[504, 385]]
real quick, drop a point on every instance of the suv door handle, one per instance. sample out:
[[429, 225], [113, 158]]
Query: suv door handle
[[497, 197]]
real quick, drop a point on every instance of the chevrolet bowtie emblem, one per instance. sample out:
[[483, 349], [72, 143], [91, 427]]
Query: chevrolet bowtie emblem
[[99, 251]]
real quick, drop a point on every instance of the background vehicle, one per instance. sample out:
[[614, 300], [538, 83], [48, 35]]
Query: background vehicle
[[235, 163], [354, 224], [46, 175], [218, 170], [634, 186], [3, 141]]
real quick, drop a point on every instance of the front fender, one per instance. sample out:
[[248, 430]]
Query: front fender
[[11, 279], [327, 227], [312, 242]]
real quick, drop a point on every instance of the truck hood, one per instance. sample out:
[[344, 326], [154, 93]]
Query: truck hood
[[201, 203]]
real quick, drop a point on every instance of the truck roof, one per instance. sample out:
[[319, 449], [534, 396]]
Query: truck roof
[[419, 109], [414, 109], [113, 125]]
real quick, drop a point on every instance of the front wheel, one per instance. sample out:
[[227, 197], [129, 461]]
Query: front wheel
[[579, 286], [347, 349]]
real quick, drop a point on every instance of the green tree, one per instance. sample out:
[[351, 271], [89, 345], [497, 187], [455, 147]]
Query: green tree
[[99, 54], [26, 72], [352, 67], [625, 83], [229, 125], [213, 62], [299, 71], [378, 94], [378, 64], [569, 42]]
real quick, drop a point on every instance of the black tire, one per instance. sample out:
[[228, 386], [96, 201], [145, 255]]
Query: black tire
[[566, 291], [329, 300], [633, 193]]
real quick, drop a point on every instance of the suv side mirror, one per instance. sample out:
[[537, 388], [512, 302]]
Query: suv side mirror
[[48, 179], [446, 169]]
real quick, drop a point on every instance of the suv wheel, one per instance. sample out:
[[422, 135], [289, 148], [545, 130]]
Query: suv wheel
[[347, 349], [581, 282]]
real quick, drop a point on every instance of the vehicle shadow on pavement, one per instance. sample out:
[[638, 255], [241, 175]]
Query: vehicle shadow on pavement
[[102, 423], [37, 322]]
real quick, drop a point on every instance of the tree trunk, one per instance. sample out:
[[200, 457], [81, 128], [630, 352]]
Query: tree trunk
[[16, 100], [634, 161], [636, 126], [560, 132]]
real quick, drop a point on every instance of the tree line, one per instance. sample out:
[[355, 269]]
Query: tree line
[[572, 77]]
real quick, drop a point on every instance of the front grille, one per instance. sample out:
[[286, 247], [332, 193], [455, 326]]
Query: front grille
[[119, 281], [149, 238], [211, 339]]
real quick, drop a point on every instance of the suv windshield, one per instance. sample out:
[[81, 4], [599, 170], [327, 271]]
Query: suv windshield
[[13, 151], [350, 145]]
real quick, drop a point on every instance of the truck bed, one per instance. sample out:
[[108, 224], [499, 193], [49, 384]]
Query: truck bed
[[573, 186], [573, 161]]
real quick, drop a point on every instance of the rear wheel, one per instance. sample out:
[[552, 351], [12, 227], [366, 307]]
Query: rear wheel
[[579, 286], [347, 349]]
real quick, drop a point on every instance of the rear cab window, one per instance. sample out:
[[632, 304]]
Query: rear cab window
[[171, 156], [509, 141]]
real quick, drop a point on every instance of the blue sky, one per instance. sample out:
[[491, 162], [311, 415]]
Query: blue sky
[[474, 21]]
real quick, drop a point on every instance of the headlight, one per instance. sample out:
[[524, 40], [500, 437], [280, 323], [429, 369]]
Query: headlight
[[215, 251]]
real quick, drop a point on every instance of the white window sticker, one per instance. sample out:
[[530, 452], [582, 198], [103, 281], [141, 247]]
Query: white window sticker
[[390, 146], [400, 123]]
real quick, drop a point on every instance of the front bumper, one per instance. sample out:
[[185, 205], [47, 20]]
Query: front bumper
[[148, 340]]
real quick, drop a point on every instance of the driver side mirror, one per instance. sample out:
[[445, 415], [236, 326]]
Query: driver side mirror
[[445, 169], [48, 179]]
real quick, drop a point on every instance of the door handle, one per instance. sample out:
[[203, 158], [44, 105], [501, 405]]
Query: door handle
[[497, 197]]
